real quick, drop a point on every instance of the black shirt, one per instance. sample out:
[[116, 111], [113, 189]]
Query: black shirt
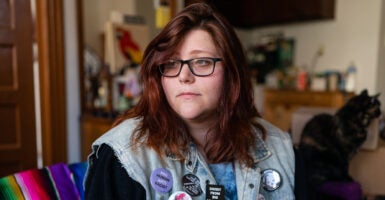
[[107, 179]]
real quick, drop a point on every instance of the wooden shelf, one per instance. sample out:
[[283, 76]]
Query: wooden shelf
[[280, 104], [92, 127]]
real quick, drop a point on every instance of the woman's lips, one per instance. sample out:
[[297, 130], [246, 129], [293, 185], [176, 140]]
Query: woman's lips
[[187, 94]]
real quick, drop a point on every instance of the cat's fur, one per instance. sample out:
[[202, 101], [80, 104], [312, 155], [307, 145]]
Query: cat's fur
[[329, 141]]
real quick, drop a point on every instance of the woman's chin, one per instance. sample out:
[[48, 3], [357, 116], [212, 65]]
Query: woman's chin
[[197, 117]]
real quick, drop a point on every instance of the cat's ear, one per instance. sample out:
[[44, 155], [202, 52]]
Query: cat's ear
[[364, 92], [377, 95]]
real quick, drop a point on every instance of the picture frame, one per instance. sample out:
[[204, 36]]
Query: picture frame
[[124, 44]]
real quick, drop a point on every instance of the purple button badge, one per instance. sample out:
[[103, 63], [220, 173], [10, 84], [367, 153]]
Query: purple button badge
[[161, 180]]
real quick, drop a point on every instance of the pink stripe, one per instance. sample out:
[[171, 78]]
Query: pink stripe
[[29, 184]]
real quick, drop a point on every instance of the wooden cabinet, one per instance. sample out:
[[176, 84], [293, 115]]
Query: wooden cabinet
[[92, 127], [280, 104], [254, 13]]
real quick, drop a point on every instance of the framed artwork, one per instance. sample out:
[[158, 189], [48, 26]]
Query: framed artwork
[[124, 44]]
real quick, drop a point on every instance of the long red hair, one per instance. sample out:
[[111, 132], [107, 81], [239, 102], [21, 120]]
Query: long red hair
[[161, 128]]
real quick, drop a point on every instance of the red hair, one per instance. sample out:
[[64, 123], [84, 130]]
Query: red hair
[[161, 128]]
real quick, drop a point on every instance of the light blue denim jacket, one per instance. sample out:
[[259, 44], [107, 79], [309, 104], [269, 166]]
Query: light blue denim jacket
[[276, 152]]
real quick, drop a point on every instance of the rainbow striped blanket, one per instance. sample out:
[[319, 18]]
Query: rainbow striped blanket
[[59, 181]]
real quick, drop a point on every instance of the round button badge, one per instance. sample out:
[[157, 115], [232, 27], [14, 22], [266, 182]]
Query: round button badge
[[191, 184], [180, 196], [161, 180], [271, 179]]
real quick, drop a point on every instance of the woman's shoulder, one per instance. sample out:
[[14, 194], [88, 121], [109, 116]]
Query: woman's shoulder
[[272, 130], [280, 146]]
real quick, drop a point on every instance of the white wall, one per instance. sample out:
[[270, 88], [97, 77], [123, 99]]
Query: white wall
[[72, 81], [354, 35], [381, 61], [96, 13]]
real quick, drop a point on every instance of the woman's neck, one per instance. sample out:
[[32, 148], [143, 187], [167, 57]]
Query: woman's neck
[[201, 134]]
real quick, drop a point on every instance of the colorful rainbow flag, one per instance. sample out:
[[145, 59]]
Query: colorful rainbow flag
[[59, 181]]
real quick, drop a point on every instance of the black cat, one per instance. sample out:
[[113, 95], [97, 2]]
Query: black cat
[[329, 141]]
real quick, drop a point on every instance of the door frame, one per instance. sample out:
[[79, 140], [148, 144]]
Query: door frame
[[50, 41]]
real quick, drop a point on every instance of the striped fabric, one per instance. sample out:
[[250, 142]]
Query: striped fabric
[[59, 181]]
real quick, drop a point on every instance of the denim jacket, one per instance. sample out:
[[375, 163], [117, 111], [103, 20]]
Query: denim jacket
[[275, 152]]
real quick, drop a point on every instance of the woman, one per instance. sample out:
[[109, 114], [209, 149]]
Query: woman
[[195, 133]]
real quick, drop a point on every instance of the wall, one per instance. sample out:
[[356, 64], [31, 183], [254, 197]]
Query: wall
[[381, 61], [72, 81], [354, 35], [96, 13], [147, 11]]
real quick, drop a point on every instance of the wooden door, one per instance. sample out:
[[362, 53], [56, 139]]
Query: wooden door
[[17, 104]]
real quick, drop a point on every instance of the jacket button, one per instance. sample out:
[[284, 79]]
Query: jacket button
[[251, 186]]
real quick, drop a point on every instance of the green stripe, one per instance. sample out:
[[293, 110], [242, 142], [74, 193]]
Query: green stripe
[[9, 189]]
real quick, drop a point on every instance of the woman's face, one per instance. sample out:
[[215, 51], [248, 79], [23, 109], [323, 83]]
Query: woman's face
[[195, 99]]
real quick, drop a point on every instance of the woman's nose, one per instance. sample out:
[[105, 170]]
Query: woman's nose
[[186, 76]]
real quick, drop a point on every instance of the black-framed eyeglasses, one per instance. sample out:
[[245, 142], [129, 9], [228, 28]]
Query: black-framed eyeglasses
[[198, 66]]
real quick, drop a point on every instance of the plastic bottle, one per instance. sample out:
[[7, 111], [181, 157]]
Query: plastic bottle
[[302, 79], [351, 76]]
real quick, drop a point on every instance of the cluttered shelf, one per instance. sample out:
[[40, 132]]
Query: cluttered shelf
[[109, 78]]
